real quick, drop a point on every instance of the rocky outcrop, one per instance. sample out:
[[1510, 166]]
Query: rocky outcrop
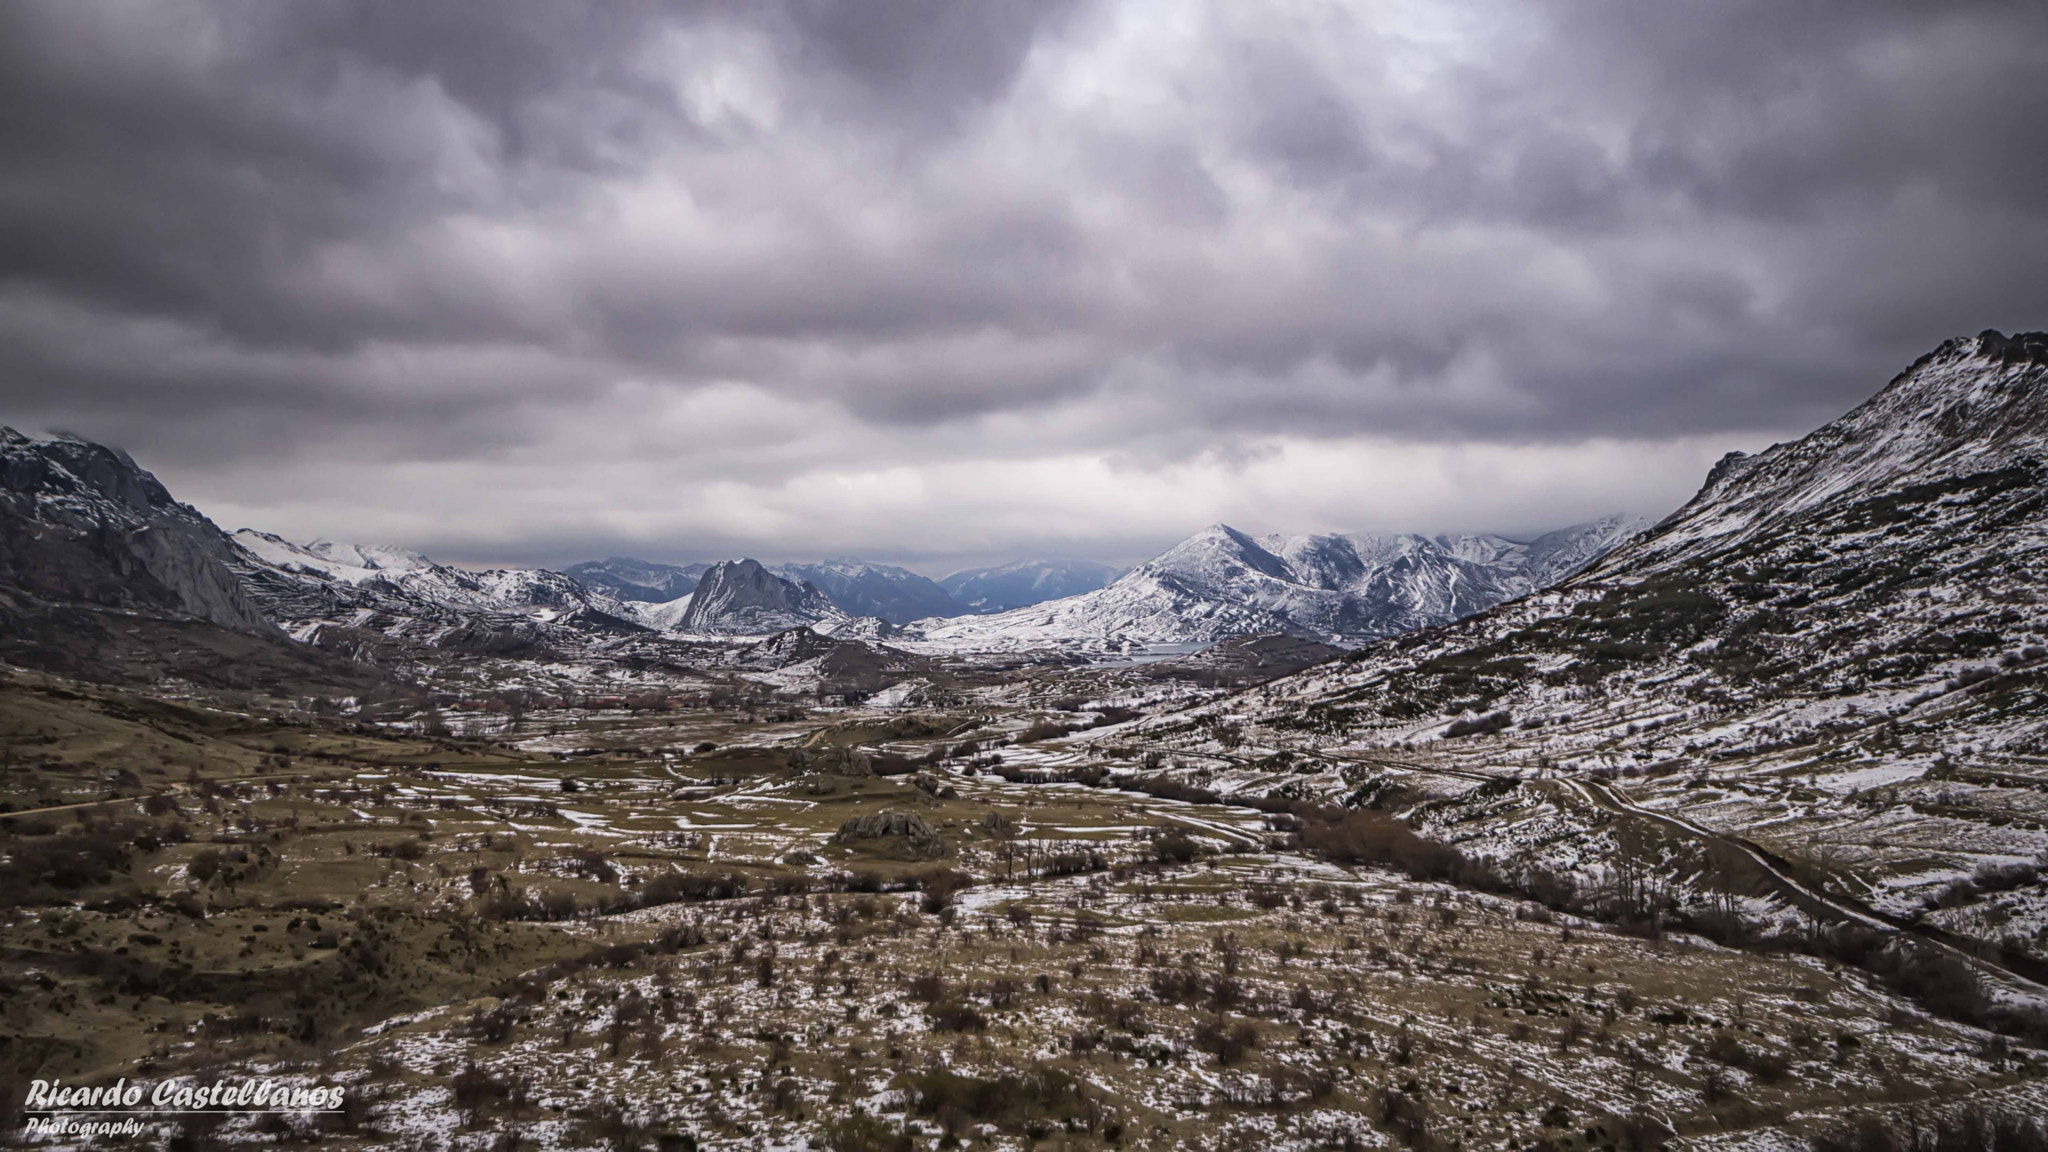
[[902, 832], [832, 760], [742, 598]]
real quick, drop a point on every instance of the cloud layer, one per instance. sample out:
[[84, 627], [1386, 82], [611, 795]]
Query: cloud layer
[[936, 282]]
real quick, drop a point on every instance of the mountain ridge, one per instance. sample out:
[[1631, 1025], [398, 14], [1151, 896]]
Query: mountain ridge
[[1223, 582], [1022, 583]]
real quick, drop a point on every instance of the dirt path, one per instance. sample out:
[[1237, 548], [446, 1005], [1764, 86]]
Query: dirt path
[[2026, 974]]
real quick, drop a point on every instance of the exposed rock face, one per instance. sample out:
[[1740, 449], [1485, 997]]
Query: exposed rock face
[[742, 598], [902, 830], [84, 523], [786, 648]]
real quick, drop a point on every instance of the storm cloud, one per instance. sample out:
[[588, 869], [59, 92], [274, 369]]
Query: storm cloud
[[529, 281]]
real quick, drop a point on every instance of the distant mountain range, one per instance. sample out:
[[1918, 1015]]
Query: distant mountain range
[[82, 522], [896, 595], [982, 591], [637, 581], [859, 588], [1341, 588]]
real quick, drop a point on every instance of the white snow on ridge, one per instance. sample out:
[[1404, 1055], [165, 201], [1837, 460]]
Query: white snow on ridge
[[1221, 582]]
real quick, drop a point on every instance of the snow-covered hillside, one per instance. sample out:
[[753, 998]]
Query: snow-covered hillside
[[395, 593], [1221, 582], [1838, 650]]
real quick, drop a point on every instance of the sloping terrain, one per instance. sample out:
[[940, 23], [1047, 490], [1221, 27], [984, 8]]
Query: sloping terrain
[[353, 598], [1836, 654]]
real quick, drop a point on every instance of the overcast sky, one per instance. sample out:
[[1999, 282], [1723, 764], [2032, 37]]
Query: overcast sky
[[940, 281]]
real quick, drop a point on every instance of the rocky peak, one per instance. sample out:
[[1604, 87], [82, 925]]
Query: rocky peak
[[742, 597]]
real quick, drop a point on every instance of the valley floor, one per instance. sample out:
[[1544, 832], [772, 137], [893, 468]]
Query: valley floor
[[674, 930]]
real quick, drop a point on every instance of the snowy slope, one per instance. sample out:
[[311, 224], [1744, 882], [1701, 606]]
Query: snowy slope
[[1972, 405], [1221, 582], [1838, 649], [403, 595]]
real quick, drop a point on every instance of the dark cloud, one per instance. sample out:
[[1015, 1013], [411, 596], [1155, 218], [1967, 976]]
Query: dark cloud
[[817, 250]]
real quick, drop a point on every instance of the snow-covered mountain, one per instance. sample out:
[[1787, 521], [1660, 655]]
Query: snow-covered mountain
[[325, 590], [1221, 582], [743, 598], [897, 595], [83, 523], [637, 581], [985, 591]]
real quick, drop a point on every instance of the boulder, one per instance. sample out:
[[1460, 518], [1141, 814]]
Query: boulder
[[905, 831]]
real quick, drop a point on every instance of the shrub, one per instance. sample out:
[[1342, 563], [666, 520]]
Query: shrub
[[1227, 1042], [72, 860], [861, 1132], [1176, 847], [1042, 1096], [1368, 837], [1405, 1116], [204, 865], [957, 1016], [1042, 730], [941, 887], [674, 887]]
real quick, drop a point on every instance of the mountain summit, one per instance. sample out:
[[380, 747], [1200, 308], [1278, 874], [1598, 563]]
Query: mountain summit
[[743, 598]]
